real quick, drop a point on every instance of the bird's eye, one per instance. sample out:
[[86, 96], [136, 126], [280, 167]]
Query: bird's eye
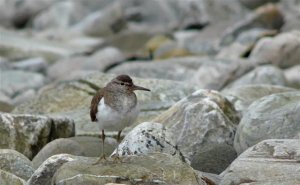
[[122, 84]]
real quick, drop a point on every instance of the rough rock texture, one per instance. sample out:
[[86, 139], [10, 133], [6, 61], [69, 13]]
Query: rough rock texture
[[242, 96], [147, 137], [156, 168], [13, 162], [274, 116], [28, 133], [58, 146], [44, 174], [268, 74], [201, 120], [72, 99], [282, 50], [7, 178], [274, 161]]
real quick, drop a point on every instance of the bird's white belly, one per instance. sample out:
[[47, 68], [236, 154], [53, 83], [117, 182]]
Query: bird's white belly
[[112, 120]]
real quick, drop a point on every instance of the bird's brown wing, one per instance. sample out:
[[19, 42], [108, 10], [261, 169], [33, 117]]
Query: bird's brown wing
[[94, 104]]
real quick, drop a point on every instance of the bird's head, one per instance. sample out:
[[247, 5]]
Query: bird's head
[[124, 83]]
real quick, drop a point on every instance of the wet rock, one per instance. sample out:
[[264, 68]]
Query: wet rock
[[269, 162], [273, 116], [292, 76], [282, 50], [252, 4], [58, 146], [156, 168], [32, 64], [7, 178], [14, 82], [268, 74], [72, 99], [13, 162], [28, 133], [199, 121]]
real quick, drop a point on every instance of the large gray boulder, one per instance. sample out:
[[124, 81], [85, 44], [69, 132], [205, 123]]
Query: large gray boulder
[[270, 162], [29, 133], [271, 117]]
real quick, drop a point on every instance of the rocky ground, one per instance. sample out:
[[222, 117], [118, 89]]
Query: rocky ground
[[224, 106]]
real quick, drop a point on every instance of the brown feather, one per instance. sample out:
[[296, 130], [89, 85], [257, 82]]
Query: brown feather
[[94, 104]]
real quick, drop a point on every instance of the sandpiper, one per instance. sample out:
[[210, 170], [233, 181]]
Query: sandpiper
[[115, 106]]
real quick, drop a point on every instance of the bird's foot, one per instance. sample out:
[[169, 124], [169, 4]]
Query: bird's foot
[[102, 158]]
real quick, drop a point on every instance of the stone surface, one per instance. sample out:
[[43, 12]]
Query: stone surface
[[268, 74], [156, 168], [274, 161], [256, 3], [28, 133], [14, 82], [242, 96], [147, 137], [282, 50], [32, 64], [7, 178], [44, 174], [24, 96], [13, 162], [273, 116], [199, 121], [6, 104], [72, 99], [292, 76], [57, 146]]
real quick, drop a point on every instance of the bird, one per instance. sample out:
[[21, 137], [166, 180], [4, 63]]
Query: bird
[[115, 106]]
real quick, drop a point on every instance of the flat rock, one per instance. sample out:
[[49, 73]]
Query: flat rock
[[29, 133], [72, 99], [198, 121], [7, 178], [282, 50], [273, 116], [274, 161], [16, 163], [156, 168]]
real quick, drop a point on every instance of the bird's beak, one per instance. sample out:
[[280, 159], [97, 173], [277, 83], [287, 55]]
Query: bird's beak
[[135, 87]]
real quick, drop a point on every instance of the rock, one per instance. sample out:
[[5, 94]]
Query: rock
[[171, 50], [178, 69], [156, 168], [252, 4], [60, 15], [292, 76], [268, 17], [282, 50], [13, 162], [44, 174], [7, 178], [72, 99], [24, 96], [273, 161], [58, 146], [98, 61], [14, 82], [273, 116], [242, 96], [32, 64], [28, 133], [6, 104], [202, 120], [267, 74], [147, 137]]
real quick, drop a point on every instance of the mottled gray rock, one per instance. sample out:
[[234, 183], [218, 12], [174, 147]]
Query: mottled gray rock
[[199, 121], [13, 162], [44, 174], [14, 82], [98, 61], [269, 162], [7, 178], [282, 50], [268, 74], [32, 64], [256, 3], [178, 69], [156, 168], [242, 96], [60, 15], [72, 99], [28, 133], [274, 116], [292, 76], [147, 137], [58, 146]]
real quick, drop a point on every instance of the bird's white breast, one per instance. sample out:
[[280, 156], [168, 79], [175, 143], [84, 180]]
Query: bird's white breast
[[113, 120]]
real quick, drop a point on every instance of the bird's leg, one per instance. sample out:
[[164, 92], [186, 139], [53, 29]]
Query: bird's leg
[[103, 155], [116, 157]]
